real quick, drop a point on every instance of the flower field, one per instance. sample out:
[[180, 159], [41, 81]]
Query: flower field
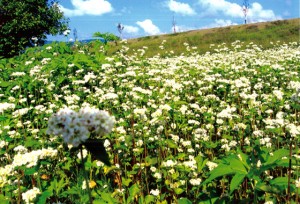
[[223, 127]]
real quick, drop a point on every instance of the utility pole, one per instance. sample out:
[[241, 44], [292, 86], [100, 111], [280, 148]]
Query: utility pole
[[245, 8], [75, 34], [120, 29], [174, 24]]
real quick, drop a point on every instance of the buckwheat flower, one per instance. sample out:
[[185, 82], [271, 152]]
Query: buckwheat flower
[[84, 154], [20, 149], [16, 74], [153, 169], [106, 143], [6, 106], [28, 62], [99, 163], [258, 163], [139, 143], [269, 202], [157, 175], [155, 192], [175, 138], [30, 195], [232, 143], [297, 183], [225, 147], [169, 163], [186, 143], [211, 165], [278, 94], [183, 109], [195, 182], [20, 112], [3, 143], [293, 130]]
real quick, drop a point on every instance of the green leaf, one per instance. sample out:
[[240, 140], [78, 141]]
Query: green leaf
[[220, 170], [133, 191], [184, 201], [106, 198], [4, 84], [149, 199], [277, 155], [43, 197], [30, 171], [281, 182], [200, 162], [266, 188], [178, 191], [4, 200], [236, 181], [171, 143], [244, 158], [97, 150], [236, 165], [126, 182]]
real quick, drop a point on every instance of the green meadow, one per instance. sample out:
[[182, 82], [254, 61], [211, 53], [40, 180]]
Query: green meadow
[[209, 116]]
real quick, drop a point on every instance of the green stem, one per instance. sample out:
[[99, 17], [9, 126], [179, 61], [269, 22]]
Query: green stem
[[86, 177], [289, 174]]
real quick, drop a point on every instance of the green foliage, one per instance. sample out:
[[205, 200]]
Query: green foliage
[[107, 37], [260, 33], [170, 144], [23, 20]]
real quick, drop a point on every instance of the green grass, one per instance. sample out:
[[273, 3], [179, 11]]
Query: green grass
[[259, 33]]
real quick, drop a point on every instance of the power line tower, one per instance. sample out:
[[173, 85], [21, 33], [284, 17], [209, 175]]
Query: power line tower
[[120, 29], [75, 34], [174, 24], [245, 8]]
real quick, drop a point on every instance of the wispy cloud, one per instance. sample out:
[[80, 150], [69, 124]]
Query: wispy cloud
[[131, 29], [180, 8], [88, 7], [148, 27], [257, 13], [214, 7], [220, 23], [222, 7]]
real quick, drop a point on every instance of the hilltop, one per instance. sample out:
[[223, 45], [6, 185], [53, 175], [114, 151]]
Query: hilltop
[[259, 33]]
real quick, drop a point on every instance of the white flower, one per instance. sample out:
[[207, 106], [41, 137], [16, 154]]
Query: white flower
[[258, 163], [211, 165], [6, 106], [195, 182], [76, 127], [297, 183], [30, 195], [84, 154], [155, 192], [157, 175]]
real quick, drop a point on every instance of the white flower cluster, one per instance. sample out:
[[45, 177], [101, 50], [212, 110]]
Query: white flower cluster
[[6, 106], [76, 127], [30, 195], [30, 159]]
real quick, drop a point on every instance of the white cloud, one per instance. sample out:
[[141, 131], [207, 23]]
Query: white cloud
[[222, 23], [182, 28], [148, 27], [88, 7], [181, 8], [131, 29], [223, 6], [256, 12]]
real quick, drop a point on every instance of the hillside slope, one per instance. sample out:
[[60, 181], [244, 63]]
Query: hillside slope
[[259, 33]]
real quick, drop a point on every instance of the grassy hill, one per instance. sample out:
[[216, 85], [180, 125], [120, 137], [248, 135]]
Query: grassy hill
[[259, 33]]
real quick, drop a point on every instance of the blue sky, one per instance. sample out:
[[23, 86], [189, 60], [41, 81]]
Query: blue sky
[[152, 17]]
